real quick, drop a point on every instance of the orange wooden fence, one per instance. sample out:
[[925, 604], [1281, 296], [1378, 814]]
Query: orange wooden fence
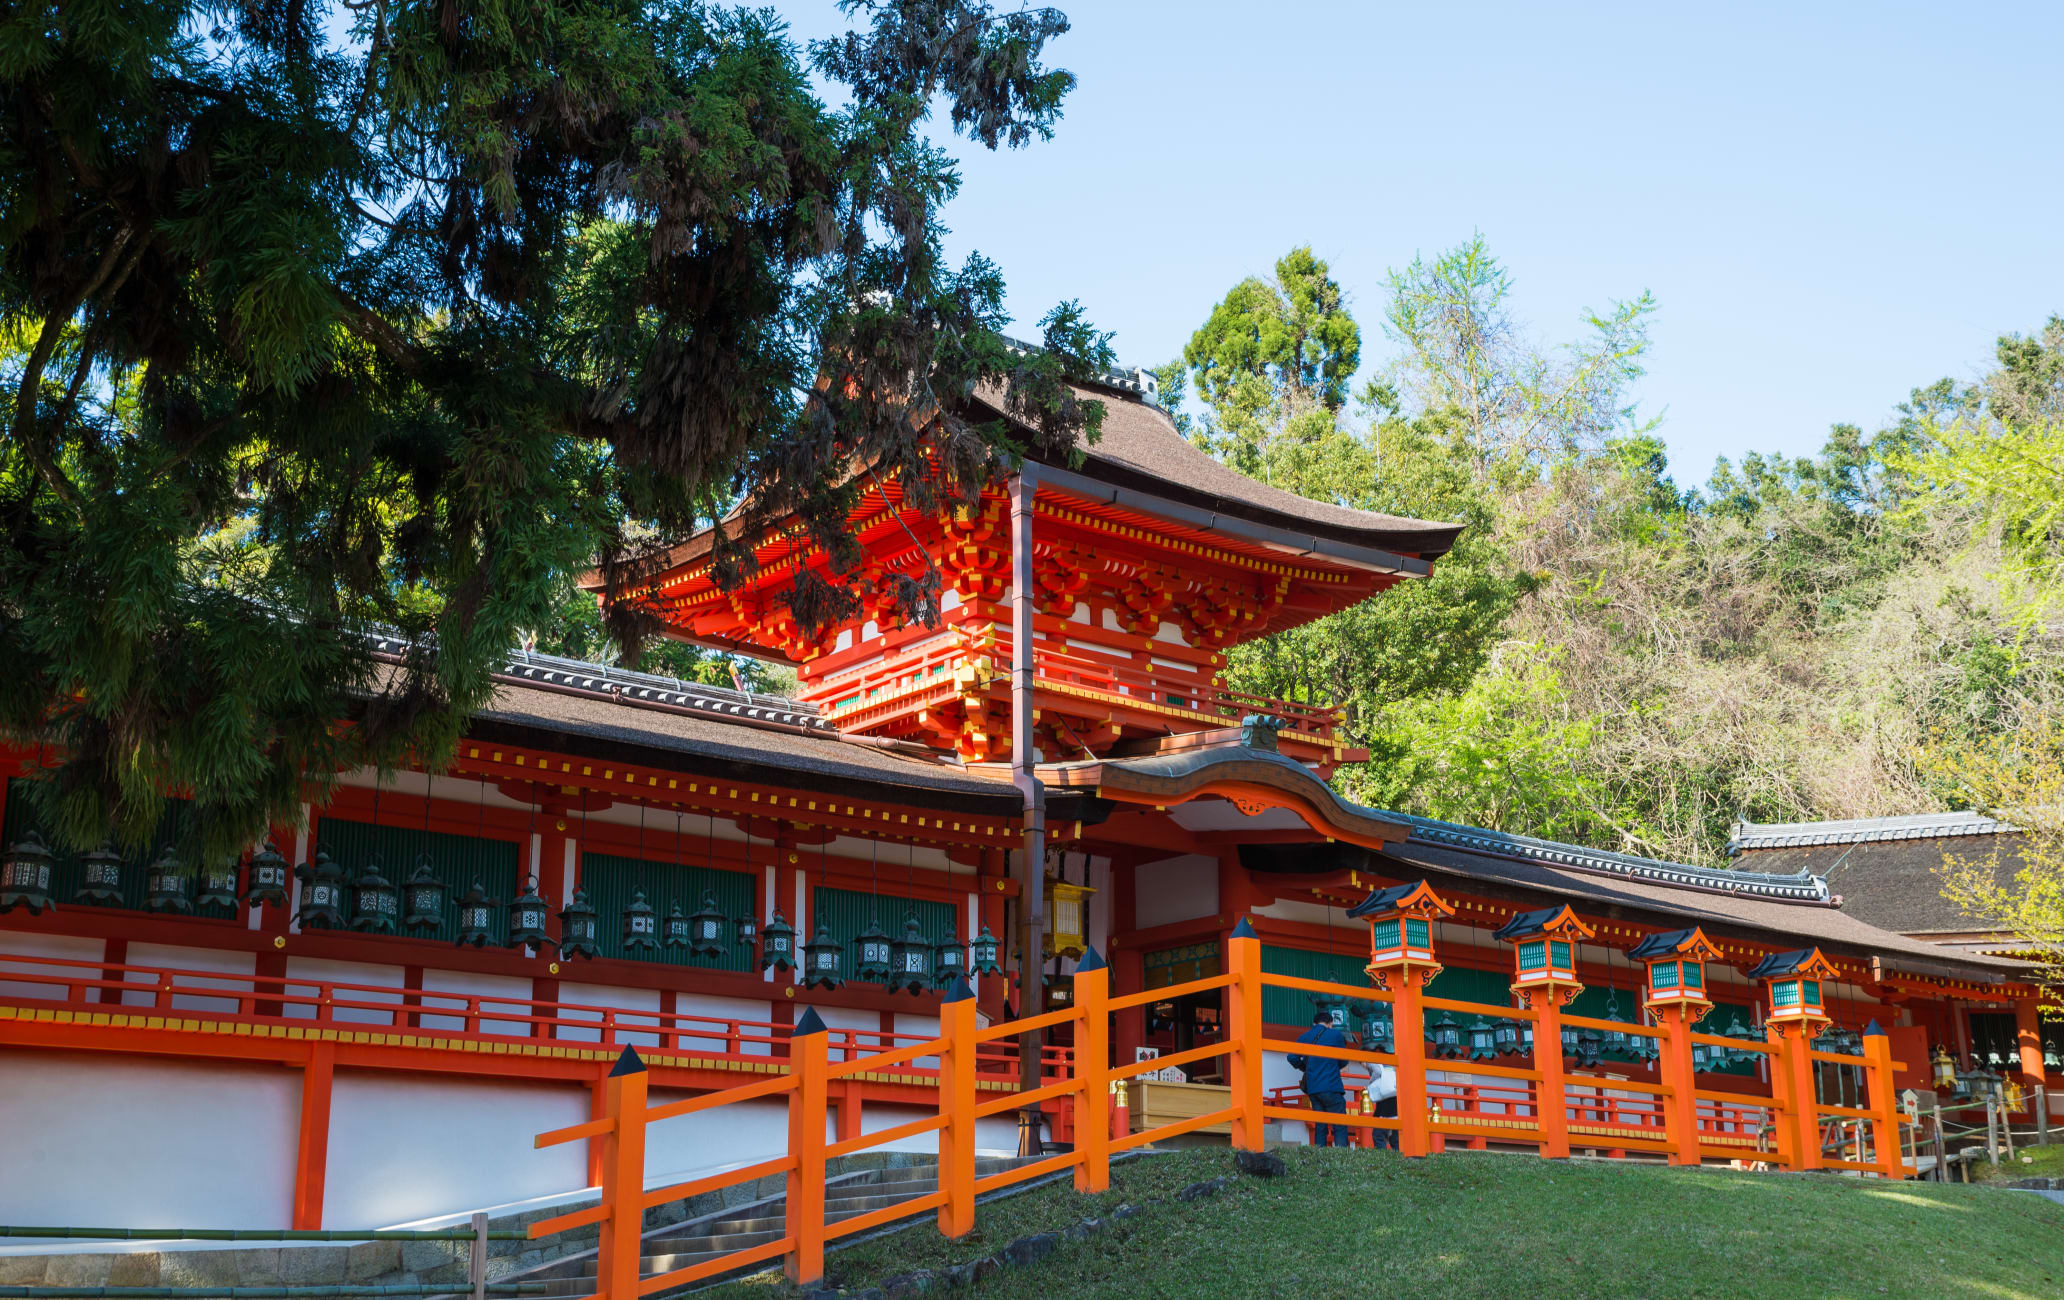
[[1439, 1102]]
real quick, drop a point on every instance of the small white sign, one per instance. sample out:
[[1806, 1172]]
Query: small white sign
[[1145, 1054]]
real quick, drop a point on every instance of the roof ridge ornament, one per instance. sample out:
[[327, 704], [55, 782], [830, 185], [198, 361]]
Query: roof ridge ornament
[[1260, 730]]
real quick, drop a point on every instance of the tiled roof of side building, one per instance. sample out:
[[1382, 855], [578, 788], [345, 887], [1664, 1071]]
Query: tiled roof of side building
[[1786, 908], [1862, 830]]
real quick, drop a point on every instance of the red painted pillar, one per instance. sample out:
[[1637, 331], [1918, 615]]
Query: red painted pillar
[[312, 1148], [1128, 964], [2028, 1038]]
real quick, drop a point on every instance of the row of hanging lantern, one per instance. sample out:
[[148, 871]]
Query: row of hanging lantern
[[27, 872], [1488, 1037], [371, 903]]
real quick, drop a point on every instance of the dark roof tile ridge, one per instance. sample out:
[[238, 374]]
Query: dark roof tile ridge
[[1861, 830], [1794, 887]]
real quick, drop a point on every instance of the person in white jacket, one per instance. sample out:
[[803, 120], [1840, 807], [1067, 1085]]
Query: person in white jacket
[[1383, 1095]]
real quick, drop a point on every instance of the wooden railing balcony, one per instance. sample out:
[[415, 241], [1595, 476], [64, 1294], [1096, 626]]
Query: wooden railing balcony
[[1180, 689], [35, 984]]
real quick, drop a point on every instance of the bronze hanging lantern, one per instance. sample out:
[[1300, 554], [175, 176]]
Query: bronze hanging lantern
[[873, 965], [527, 919], [425, 894], [910, 958], [777, 944], [25, 876], [982, 954], [640, 925], [322, 893], [675, 928], [823, 958], [375, 902], [951, 961], [100, 878], [218, 893], [266, 882], [748, 934], [577, 933], [706, 929], [167, 887], [476, 918]]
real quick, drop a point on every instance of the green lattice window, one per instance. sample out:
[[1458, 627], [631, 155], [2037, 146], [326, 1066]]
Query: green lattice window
[[612, 881]]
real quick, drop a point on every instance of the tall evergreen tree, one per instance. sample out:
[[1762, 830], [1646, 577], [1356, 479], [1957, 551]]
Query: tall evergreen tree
[[319, 316]]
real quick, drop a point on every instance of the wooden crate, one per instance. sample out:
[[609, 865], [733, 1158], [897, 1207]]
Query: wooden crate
[[1155, 1103]]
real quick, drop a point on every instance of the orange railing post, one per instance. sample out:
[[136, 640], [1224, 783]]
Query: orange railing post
[[1791, 1083], [1680, 1108], [1884, 1104], [807, 1060], [620, 1252], [1250, 1132], [1408, 1029], [1551, 1097], [1093, 1073], [957, 1108]]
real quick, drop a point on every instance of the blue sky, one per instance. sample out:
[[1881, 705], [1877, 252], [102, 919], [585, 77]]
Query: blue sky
[[1832, 203]]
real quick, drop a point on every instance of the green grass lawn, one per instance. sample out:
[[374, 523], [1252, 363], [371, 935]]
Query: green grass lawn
[[1368, 1223]]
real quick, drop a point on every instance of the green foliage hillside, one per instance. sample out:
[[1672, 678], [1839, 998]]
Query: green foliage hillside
[[1613, 657]]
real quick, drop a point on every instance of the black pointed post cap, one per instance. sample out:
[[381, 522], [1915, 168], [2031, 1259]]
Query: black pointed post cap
[[806, 1024], [958, 991], [1244, 930], [1873, 1030], [1093, 960], [628, 1063]]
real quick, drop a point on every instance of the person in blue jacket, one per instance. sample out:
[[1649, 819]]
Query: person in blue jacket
[[1322, 1079]]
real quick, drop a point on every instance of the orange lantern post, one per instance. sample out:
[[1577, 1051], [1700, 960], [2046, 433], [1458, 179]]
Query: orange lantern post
[[1675, 994], [1544, 980], [1796, 1014], [1401, 961]]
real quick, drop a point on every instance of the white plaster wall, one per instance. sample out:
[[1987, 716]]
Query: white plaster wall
[[512, 987], [28, 943], [408, 1147], [105, 1140], [207, 959], [849, 1018], [923, 1026], [599, 995], [1176, 889], [725, 1137], [993, 1136], [747, 1009], [319, 969]]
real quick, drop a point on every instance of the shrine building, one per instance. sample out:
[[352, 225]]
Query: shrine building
[[362, 1021]]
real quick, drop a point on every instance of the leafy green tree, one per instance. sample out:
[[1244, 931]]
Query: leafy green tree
[[1506, 752], [1273, 361], [320, 316], [1461, 350]]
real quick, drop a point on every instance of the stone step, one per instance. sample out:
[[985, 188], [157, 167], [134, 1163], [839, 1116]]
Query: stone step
[[687, 1244]]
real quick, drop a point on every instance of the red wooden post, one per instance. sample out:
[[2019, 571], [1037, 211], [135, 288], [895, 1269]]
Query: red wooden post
[[957, 1107], [1884, 1103], [1250, 1131], [312, 1147], [1680, 1108], [1408, 1028], [1093, 1073], [2028, 1039], [1551, 1105], [806, 1105], [619, 1253]]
